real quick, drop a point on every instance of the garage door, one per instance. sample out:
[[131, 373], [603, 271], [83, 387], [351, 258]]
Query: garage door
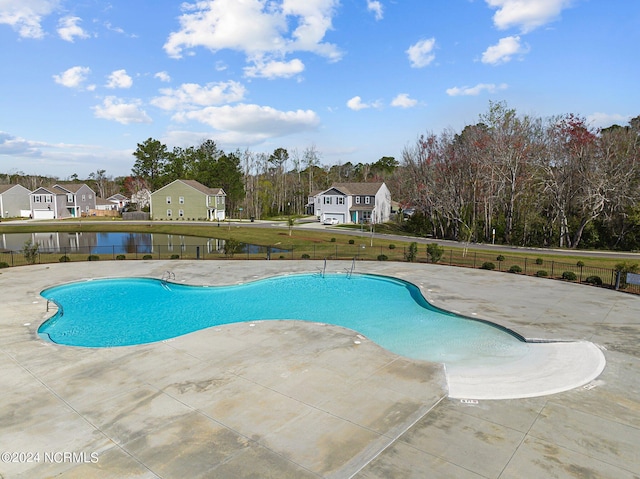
[[43, 214]]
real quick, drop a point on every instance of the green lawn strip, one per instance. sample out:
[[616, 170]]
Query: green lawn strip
[[321, 244]]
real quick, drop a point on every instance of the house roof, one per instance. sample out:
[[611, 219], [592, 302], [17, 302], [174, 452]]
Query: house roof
[[70, 187], [117, 197], [102, 201], [5, 188], [49, 190], [196, 185], [356, 188]]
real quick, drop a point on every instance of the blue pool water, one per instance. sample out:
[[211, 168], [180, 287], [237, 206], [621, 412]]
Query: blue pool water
[[388, 311]]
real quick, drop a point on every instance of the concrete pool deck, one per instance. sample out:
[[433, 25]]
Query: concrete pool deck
[[293, 399]]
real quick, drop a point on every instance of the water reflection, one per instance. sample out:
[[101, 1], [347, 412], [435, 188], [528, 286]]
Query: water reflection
[[124, 243]]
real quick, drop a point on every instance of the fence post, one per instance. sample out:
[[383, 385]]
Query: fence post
[[475, 254], [525, 265], [12, 258], [450, 257], [552, 265]]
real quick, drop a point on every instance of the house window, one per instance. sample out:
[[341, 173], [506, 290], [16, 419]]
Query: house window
[[37, 199], [90, 196], [367, 200], [181, 200], [180, 213], [168, 213], [340, 200], [84, 197], [327, 200], [70, 198], [366, 216], [48, 198], [357, 200], [168, 200], [87, 209]]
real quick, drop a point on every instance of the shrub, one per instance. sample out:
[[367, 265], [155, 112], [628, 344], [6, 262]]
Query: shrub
[[64, 259], [392, 246], [175, 256], [121, 256], [382, 257], [488, 265], [231, 247], [515, 269], [30, 251], [435, 252], [4, 264], [333, 240], [569, 276], [500, 258], [305, 256], [412, 253], [147, 256], [352, 241], [594, 279], [93, 257], [539, 261], [542, 274], [281, 256]]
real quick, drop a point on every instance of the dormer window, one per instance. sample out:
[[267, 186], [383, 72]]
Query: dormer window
[[367, 200]]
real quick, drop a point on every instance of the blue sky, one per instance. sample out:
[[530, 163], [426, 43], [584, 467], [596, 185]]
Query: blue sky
[[83, 82]]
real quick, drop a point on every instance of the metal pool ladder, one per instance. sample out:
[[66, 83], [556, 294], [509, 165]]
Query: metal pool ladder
[[324, 268], [350, 270], [166, 276]]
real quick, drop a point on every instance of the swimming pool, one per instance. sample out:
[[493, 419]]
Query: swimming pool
[[391, 312]]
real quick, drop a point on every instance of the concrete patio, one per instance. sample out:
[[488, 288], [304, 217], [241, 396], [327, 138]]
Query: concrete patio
[[293, 399]]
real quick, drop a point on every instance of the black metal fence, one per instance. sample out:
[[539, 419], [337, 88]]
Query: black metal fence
[[578, 272]]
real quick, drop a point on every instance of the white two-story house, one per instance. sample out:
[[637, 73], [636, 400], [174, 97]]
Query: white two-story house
[[353, 203]]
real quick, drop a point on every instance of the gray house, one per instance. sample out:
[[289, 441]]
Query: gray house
[[14, 201], [353, 203], [63, 200]]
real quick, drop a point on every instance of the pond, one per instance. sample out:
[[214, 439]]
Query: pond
[[125, 243]]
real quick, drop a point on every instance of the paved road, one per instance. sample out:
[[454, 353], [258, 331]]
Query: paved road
[[311, 224]]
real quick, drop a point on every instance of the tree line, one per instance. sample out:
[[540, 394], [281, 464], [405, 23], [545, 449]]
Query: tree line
[[509, 179], [522, 180]]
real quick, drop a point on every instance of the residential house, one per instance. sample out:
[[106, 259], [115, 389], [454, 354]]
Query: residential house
[[120, 201], [188, 200], [14, 201], [63, 200], [354, 203]]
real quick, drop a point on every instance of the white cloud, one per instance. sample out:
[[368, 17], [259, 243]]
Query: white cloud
[[504, 51], [252, 122], [527, 14], [192, 95], [403, 101], [605, 120], [74, 77], [264, 31], [476, 90], [116, 109], [356, 104], [163, 77], [275, 69], [421, 54], [12, 145], [376, 7], [25, 16], [119, 79], [68, 29]]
